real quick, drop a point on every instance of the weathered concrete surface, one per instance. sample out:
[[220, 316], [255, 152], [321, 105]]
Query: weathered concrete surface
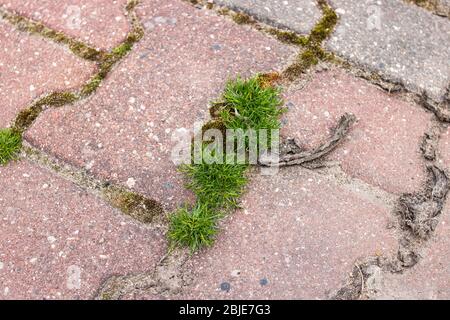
[[124, 132], [59, 242], [444, 148], [31, 66], [401, 41], [297, 237], [382, 148], [297, 15], [430, 278], [101, 23]]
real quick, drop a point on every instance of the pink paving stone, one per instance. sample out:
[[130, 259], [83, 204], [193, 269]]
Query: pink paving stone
[[31, 66], [298, 237], [444, 148], [51, 231], [382, 148], [100, 23], [430, 278], [124, 132]]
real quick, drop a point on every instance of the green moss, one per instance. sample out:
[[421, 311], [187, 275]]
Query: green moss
[[324, 27], [216, 185], [242, 18], [10, 144], [251, 106], [91, 86], [313, 52], [26, 117], [289, 37], [134, 205], [194, 229], [27, 25]]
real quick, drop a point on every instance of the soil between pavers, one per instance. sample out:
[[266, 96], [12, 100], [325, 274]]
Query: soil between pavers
[[297, 237], [59, 242], [382, 148], [31, 66], [123, 133], [100, 23], [430, 278]]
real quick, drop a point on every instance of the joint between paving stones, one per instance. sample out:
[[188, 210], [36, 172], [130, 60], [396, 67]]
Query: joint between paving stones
[[434, 6]]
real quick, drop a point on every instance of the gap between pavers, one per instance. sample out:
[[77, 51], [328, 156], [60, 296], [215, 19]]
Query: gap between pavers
[[123, 133], [100, 23], [31, 66], [58, 241], [429, 279]]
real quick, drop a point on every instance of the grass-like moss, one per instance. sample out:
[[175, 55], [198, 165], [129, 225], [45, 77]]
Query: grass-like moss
[[245, 104], [194, 228], [10, 144]]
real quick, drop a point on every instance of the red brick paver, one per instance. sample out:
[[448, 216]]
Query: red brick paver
[[382, 148], [298, 236], [57, 241], [124, 132], [31, 66], [101, 23]]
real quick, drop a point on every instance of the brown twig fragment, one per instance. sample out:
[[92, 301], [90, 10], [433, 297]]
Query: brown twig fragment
[[298, 158]]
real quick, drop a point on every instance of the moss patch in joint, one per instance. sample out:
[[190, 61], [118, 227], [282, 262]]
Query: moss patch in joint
[[288, 37], [10, 144], [242, 18], [133, 204], [314, 52], [27, 25]]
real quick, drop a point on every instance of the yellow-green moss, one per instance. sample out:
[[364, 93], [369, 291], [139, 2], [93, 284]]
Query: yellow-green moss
[[242, 18], [134, 205], [288, 37]]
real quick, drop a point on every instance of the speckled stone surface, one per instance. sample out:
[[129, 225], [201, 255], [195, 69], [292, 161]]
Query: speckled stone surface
[[124, 132], [30, 67], [297, 237], [444, 148], [100, 23], [401, 41], [59, 242], [381, 149], [297, 15], [430, 278]]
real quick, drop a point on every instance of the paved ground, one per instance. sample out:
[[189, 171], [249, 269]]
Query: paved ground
[[305, 233]]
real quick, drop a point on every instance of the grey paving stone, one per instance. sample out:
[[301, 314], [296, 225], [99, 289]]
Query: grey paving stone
[[401, 41], [298, 15]]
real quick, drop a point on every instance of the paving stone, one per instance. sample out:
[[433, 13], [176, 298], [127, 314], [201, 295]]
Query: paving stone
[[382, 148], [430, 278], [401, 41], [31, 66], [59, 242], [123, 133], [101, 23], [297, 15], [444, 148], [297, 237]]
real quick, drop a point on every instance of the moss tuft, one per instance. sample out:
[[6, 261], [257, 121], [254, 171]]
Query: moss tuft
[[10, 144], [194, 229]]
